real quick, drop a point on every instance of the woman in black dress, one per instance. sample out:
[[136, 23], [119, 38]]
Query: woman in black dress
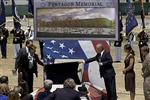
[[129, 71]]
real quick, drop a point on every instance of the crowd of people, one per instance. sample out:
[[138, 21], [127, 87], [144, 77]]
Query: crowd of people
[[21, 91], [27, 59]]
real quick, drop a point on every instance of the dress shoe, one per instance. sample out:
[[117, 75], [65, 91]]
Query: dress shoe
[[3, 57], [117, 61]]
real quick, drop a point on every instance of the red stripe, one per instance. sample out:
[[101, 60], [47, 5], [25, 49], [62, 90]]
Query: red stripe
[[104, 43], [86, 76], [95, 42], [39, 90], [141, 3], [95, 94]]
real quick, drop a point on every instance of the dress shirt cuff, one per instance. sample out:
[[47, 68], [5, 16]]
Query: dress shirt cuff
[[83, 61]]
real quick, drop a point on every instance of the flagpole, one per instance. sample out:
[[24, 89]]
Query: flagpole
[[28, 19]]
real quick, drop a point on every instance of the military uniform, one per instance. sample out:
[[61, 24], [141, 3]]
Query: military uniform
[[146, 75], [117, 45], [143, 39], [3, 41], [17, 40], [22, 37]]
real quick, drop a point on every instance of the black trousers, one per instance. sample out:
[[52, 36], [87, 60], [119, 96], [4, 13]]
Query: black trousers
[[110, 85], [21, 45], [28, 77], [141, 54], [41, 48], [3, 49]]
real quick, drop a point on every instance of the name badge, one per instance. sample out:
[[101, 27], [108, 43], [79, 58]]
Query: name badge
[[1, 38], [15, 40]]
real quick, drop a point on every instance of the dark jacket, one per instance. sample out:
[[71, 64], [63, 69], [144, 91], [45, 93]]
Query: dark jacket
[[64, 94], [143, 39], [43, 95], [22, 35], [17, 37], [22, 62], [118, 43], [107, 69], [27, 97], [5, 34]]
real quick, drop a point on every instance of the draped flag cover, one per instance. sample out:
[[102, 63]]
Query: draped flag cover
[[74, 49]]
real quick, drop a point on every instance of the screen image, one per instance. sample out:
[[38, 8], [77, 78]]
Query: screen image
[[74, 22]]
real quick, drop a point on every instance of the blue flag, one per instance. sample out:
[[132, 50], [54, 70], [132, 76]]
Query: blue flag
[[131, 21], [2, 13], [30, 7], [15, 15]]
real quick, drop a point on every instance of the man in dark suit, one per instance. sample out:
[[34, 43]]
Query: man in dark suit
[[107, 71], [3, 40], [66, 93], [22, 52], [26, 63]]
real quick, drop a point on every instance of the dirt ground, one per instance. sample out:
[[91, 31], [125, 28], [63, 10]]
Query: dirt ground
[[6, 66]]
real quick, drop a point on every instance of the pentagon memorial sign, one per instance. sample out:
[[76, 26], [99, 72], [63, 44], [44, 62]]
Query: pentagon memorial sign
[[76, 19]]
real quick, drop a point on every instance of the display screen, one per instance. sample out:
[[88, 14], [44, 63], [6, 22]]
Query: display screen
[[76, 19]]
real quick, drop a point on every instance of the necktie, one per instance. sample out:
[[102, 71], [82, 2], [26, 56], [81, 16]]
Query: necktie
[[99, 58]]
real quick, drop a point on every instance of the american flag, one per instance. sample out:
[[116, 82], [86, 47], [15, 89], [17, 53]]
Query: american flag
[[73, 49]]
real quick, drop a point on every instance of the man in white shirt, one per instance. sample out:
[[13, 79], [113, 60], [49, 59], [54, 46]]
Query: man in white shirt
[[29, 34], [131, 39]]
